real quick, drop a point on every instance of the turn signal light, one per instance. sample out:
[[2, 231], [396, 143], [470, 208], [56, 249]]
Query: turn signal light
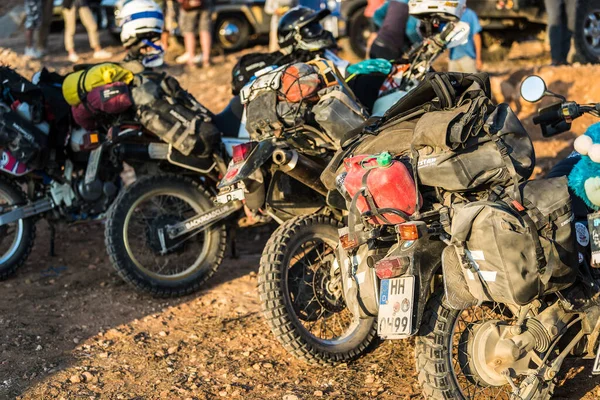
[[347, 242], [408, 231], [242, 151]]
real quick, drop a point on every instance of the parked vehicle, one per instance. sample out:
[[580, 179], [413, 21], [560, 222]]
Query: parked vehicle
[[235, 22], [150, 231], [492, 318], [49, 168]]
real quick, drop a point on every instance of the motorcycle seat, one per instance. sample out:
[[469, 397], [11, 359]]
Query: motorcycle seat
[[228, 121]]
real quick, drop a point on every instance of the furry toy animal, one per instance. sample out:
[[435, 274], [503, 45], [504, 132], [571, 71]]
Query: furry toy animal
[[584, 179]]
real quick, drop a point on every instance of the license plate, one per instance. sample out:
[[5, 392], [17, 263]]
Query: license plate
[[237, 194], [92, 167], [596, 370], [396, 303]]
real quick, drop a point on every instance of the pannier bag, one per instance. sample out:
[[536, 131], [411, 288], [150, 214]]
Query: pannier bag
[[382, 186], [112, 98], [172, 114], [85, 80], [22, 138], [337, 113], [512, 250], [455, 153]]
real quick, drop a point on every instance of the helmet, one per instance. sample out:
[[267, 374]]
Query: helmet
[[300, 28], [140, 19], [448, 10]]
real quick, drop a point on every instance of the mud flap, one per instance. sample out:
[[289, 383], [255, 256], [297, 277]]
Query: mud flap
[[456, 288]]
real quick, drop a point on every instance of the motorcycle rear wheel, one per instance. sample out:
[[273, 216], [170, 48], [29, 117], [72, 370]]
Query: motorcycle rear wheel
[[17, 238], [442, 362], [158, 201], [297, 292]]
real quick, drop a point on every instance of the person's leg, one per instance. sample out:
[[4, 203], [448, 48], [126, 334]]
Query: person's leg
[[33, 14], [273, 39], [205, 35], [44, 31], [70, 19], [91, 26], [554, 10], [89, 22], [571, 14], [187, 24]]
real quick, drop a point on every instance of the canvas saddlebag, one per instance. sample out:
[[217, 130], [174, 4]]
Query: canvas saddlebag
[[512, 250], [337, 113], [171, 113]]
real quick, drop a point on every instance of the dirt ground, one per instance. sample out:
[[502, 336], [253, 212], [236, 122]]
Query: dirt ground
[[71, 329]]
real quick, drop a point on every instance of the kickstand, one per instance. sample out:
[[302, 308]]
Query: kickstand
[[232, 243], [52, 237]]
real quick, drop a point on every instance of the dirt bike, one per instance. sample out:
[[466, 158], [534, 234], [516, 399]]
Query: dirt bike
[[150, 232], [390, 282]]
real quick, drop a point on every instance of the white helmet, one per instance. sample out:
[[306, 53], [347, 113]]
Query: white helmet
[[447, 10], [140, 19]]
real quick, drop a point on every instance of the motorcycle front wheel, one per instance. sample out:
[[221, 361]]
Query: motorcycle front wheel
[[301, 293], [16, 238], [446, 353], [149, 260]]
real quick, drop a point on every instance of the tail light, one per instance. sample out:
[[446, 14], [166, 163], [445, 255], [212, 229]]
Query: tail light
[[391, 267], [348, 242], [411, 230], [242, 151]]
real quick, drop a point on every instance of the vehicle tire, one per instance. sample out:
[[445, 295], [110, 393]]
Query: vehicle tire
[[437, 364], [232, 32], [587, 30], [358, 32], [171, 199], [14, 253], [278, 283]]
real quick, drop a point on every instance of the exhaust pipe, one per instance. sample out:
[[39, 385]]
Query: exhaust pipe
[[300, 168], [142, 152]]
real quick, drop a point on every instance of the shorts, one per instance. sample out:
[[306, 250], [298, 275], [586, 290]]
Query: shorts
[[190, 21], [33, 14], [464, 64]]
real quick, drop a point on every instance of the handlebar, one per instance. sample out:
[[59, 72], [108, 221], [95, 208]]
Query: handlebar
[[557, 117]]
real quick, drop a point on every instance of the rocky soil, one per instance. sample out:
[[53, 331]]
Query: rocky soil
[[71, 329]]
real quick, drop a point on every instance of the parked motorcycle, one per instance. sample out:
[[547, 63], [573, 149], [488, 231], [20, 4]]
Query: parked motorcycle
[[481, 330], [54, 170], [163, 234]]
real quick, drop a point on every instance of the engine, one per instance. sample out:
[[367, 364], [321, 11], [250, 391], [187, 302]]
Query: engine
[[82, 199]]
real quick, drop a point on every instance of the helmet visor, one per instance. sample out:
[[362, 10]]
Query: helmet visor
[[312, 30]]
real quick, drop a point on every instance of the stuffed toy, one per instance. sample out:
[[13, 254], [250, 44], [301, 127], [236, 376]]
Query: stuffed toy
[[584, 179]]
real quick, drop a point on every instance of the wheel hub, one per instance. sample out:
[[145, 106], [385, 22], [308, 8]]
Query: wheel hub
[[591, 30], [481, 349], [328, 290], [156, 235], [229, 32]]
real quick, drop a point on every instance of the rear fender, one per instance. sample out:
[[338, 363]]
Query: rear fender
[[242, 170], [426, 258]]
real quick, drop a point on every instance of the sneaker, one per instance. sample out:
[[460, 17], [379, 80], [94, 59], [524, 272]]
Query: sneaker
[[198, 59], [32, 53], [182, 59], [102, 54], [73, 57]]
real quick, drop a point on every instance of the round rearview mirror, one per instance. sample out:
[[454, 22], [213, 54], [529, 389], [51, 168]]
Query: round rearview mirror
[[533, 88]]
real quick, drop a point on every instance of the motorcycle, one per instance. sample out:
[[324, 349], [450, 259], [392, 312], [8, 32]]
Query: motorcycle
[[391, 284], [163, 234], [42, 176]]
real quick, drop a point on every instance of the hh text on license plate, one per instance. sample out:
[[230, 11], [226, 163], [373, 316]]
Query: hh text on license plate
[[396, 303]]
